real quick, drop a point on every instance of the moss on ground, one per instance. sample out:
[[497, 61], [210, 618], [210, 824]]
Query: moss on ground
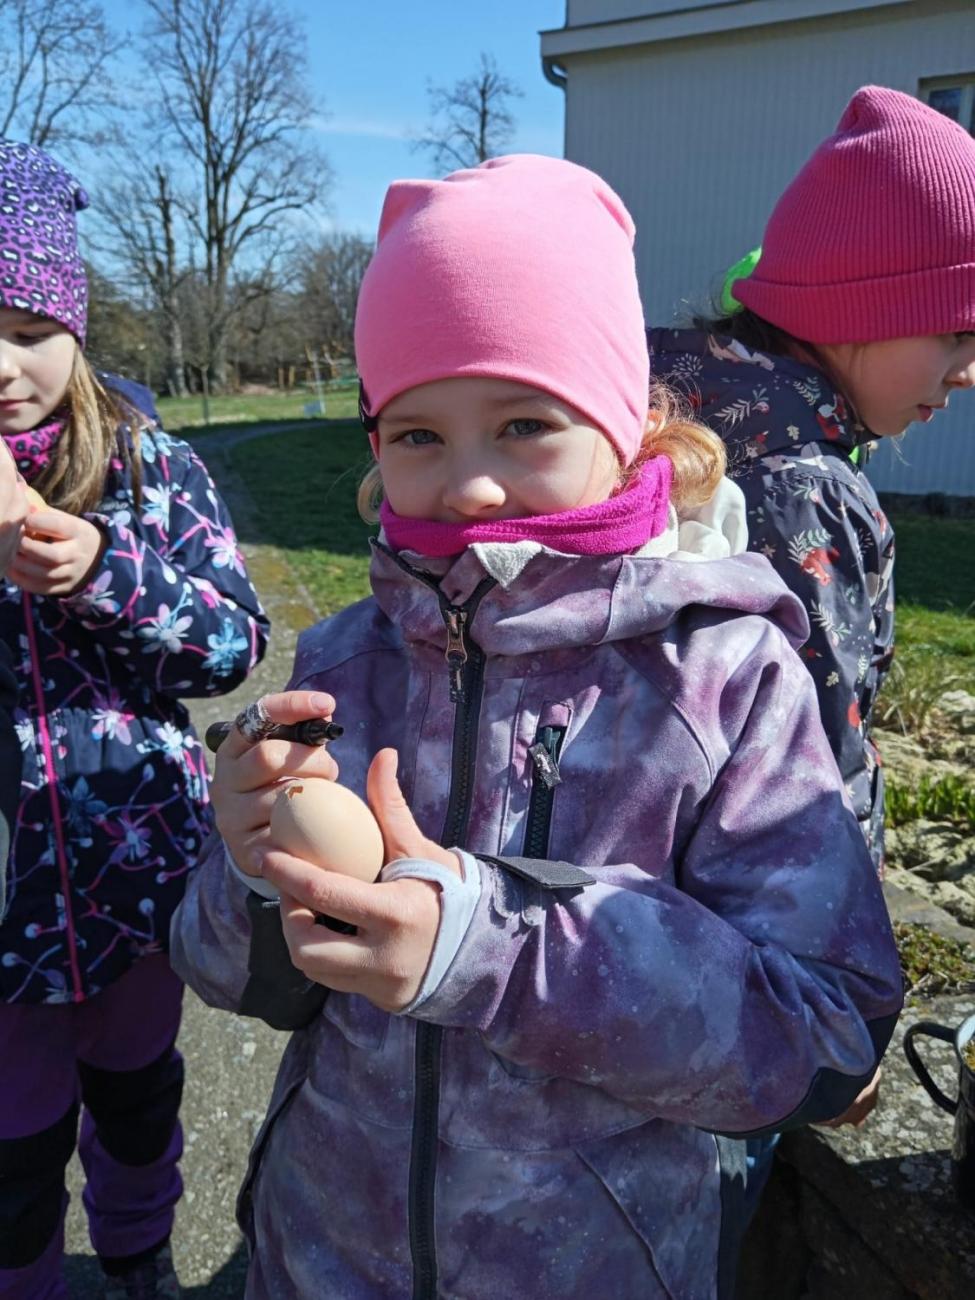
[[932, 963]]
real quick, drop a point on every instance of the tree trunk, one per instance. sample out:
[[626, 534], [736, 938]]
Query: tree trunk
[[175, 364], [167, 280]]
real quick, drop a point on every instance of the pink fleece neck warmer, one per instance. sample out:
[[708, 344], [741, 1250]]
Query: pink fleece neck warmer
[[623, 523], [875, 238], [33, 449], [520, 269]]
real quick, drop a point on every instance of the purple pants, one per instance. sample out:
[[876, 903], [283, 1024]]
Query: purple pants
[[113, 1055]]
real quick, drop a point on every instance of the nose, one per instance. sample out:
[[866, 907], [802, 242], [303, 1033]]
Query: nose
[[470, 491], [9, 368], [962, 374]]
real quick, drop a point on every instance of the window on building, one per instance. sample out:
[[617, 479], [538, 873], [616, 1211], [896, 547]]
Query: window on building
[[953, 96]]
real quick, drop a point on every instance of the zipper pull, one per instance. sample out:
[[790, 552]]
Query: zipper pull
[[543, 756], [456, 652]]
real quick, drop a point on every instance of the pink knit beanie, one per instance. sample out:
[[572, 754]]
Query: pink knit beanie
[[875, 238], [519, 269]]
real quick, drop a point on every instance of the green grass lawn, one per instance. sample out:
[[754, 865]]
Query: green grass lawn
[[305, 481], [184, 415], [935, 584]]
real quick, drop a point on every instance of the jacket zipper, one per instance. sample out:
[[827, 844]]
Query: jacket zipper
[[52, 785], [545, 777], [465, 664]]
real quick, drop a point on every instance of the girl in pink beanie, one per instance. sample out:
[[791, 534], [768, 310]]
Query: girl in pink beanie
[[607, 930], [857, 321]]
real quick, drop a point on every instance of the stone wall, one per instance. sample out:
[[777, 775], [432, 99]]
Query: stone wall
[[870, 1213]]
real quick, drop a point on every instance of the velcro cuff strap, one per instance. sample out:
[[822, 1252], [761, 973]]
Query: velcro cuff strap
[[550, 875]]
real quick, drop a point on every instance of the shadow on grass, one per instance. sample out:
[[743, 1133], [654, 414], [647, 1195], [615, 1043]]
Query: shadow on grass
[[200, 432], [304, 481], [935, 564]]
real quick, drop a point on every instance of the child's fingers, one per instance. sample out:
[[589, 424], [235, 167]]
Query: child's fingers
[[273, 761], [285, 707], [342, 962], [401, 835], [327, 893], [35, 550], [304, 932], [242, 814], [40, 572], [32, 578], [247, 849], [52, 523]]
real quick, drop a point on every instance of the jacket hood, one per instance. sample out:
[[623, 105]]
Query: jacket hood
[[734, 391], [558, 602]]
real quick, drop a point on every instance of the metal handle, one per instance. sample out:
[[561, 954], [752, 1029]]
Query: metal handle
[[910, 1051]]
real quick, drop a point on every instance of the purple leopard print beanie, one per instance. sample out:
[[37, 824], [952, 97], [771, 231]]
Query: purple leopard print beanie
[[40, 267]]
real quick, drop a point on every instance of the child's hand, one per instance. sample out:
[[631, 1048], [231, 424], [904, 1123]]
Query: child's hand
[[13, 508], [248, 776], [60, 558], [397, 921], [859, 1111]]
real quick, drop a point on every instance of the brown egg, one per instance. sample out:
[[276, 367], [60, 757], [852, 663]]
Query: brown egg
[[323, 822]]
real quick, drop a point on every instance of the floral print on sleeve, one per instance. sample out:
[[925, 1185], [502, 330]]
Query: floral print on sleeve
[[837, 556], [171, 593], [815, 516]]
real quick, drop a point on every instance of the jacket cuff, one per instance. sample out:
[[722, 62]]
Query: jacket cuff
[[459, 897], [257, 884]]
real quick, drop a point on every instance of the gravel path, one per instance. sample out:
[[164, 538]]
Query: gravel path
[[230, 1062]]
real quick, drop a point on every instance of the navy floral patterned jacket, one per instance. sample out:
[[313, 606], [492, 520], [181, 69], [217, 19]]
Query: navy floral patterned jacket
[[816, 517], [113, 806], [9, 766]]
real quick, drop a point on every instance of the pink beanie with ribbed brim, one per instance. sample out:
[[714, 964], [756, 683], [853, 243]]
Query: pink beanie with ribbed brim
[[519, 269], [875, 238]]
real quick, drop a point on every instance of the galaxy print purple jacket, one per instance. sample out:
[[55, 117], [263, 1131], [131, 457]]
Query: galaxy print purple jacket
[[681, 940], [113, 808]]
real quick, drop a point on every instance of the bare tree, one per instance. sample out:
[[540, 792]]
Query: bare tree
[[470, 121], [231, 76], [56, 81], [330, 273], [142, 217], [122, 336]]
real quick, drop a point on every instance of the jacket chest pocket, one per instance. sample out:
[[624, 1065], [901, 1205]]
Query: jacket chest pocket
[[544, 754]]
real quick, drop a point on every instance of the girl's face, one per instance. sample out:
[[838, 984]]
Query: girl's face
[[472, 450], [36, 359], [898, 381]]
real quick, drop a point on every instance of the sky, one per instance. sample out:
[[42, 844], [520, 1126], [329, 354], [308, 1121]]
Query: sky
[[370, 63]]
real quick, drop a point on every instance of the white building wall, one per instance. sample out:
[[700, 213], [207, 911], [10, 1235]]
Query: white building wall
[[701, 135], [580, 12]]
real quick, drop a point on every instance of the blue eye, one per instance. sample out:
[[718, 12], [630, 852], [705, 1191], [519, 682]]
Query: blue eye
[[419, 437], [527, 428]]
